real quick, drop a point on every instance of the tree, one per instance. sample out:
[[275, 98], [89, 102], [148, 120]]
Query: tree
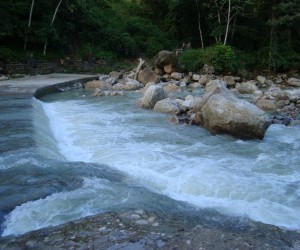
[[29, 24], [51, 24]]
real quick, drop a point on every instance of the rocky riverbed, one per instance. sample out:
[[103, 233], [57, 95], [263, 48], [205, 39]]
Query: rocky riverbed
[[140, 229], [146, 228]]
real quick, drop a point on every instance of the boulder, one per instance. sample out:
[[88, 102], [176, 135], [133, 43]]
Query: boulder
[[246, 87], [204, 80], [172, 88], [188, 102], [131, 84], [167, 106], [98, 84], [196, 77], [158, 71], [147, 75], [295, 82], [168, 69], [266, 104], [152, 95], [176, 76], [164, 58], [261, 79], [224, 113], [230, 80]]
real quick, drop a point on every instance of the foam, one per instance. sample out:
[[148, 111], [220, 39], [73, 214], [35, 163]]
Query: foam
[[251, 178]]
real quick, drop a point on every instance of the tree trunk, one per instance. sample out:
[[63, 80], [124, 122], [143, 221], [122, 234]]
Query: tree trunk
[[29, 24], [199, 25], [228, 22], [271, 43], [52, 21]]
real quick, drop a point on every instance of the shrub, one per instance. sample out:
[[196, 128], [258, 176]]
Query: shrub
[[192, 59], [223, 59]]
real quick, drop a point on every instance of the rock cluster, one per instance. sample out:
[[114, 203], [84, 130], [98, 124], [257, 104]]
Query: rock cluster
[[221, 104]]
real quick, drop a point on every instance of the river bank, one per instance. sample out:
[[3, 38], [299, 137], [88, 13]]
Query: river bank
[[150, 228]]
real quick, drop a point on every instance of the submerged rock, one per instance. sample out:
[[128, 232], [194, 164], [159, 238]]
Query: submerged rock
[[224, 113]]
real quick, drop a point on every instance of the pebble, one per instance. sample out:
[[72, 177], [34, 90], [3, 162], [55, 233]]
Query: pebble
[[135, 216], [139, 211], [142, 222]]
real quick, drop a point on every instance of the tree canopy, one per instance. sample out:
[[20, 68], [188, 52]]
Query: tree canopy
[[263, 33]]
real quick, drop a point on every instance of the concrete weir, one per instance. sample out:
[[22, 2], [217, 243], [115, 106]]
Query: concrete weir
[[40, 84]]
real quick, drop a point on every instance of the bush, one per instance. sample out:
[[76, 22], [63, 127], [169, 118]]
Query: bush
[[223, 59], [192, 59]]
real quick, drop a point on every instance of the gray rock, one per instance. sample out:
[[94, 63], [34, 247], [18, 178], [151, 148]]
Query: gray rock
[[224, 113], [147, 75], [176, 76], [295, 82], [167, 106], [246, 87], [164, 58], [152, 95]]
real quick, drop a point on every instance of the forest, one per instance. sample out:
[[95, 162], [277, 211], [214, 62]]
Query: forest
[[249, 35]]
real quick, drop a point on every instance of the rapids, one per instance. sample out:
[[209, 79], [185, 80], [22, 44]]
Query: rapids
[[77, 155]]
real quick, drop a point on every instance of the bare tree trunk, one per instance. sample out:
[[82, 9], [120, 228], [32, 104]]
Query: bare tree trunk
[[199, 24], [29, 24], [52, 21], [228, 22]]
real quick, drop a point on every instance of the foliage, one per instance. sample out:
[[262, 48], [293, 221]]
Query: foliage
[[264, 33], [223, 59], [192, 59]]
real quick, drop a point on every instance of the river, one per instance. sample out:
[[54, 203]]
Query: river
[[69, 155]]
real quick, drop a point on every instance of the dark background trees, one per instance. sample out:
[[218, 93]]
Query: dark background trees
[[264, 34]]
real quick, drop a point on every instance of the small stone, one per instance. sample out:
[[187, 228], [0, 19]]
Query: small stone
[[101, 229], [139, 211], [135, 216], [156, 224], [151, 219], [142, 222]]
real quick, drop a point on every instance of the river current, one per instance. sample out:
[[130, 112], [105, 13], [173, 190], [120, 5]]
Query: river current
[[70, 155]]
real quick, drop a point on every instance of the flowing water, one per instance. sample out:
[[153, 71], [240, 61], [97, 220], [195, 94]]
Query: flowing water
[[70, 155]]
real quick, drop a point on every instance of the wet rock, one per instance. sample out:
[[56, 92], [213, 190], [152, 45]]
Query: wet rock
[[152, 95], [131, 84], [167, 106], [224, 113], [116, 74], [246, 87]]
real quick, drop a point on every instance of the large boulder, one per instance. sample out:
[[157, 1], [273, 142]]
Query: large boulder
[[152, 95], [147, 75], [164, 58], [167, 106], [224, 113]]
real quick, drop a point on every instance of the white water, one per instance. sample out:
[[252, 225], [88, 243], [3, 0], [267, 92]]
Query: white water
[[257, 179]]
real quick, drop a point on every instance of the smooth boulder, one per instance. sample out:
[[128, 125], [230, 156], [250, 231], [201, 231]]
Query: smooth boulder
[[152, 95], [167, 106], [224, 113]]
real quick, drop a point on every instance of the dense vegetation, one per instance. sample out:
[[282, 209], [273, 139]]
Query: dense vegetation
[[264, 34]]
